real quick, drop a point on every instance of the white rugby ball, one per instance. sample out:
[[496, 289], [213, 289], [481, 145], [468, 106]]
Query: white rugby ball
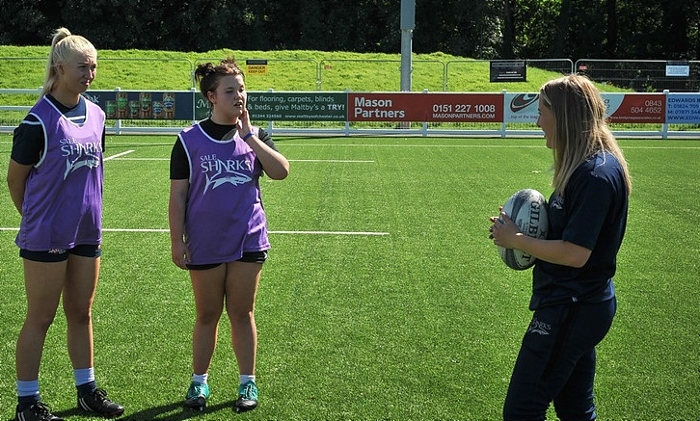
[[528, 209]]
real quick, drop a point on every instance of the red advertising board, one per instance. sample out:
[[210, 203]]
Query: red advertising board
[[636, 108], [465, 107], [425, 107], [404, 106]]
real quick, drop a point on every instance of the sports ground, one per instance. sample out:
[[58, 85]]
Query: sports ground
[[383, 298]]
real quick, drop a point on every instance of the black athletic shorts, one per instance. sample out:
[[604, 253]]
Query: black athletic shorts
[[60, 255], [248, 257]]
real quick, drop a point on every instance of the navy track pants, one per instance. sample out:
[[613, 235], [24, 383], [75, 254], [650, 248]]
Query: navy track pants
[[557, 362]]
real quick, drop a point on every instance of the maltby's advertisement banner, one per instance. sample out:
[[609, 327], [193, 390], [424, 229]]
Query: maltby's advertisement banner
[[297, 106]]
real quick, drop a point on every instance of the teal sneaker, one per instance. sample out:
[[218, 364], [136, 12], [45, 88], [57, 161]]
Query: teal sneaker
[[197, 395], [247, 397]]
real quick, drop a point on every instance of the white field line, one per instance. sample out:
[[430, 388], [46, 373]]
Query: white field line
[[142, 159], [333, 161], [675, 146], [165, 230], [351, 161], [332, 232], [159, 230], [118, 155]]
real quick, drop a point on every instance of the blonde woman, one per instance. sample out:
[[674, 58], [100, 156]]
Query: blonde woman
[[55, 180], [573, 296]]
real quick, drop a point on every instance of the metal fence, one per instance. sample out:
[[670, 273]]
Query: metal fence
[[18, 94], [644, 75], [308, 74], [454, 80]]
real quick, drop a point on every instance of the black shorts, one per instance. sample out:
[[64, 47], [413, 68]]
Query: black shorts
[[248, 257], [60, 255]]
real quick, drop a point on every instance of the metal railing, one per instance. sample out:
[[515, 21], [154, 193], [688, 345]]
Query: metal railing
[[316, 75], [644, 75]]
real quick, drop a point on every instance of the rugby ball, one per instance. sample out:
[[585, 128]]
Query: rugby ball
[[528, 209]]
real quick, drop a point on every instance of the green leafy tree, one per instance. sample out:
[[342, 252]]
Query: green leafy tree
[[469, 28], [27, 22], [663, 29], [529, 28]]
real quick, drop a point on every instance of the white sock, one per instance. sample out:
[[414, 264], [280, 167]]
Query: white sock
[[200, 378], [245, 378]]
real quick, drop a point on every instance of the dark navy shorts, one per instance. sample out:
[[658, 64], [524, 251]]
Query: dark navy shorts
[[248, 257], [60, 255]]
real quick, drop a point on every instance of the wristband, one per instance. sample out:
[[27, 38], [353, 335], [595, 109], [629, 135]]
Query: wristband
[[247, 136]]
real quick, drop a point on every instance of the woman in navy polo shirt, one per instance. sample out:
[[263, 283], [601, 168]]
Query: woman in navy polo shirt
[[573, 297]]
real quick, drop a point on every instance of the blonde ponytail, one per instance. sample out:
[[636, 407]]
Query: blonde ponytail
[[63, 46]]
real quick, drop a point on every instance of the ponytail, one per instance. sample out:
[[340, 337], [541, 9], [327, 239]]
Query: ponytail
[[63, 46], [208, 75]]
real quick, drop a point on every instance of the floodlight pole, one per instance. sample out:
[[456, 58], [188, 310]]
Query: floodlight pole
[[408, 23]]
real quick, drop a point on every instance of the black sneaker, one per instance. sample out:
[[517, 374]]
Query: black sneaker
[[36, 412], [98, 403]]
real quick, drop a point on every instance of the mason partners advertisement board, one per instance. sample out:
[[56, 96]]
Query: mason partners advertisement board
[[425, 107]]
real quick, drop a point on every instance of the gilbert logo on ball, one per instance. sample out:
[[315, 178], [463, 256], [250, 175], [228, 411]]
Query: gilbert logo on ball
[[528, 209]]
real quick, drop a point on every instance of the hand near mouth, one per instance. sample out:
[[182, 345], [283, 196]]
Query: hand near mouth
[[244, 125]]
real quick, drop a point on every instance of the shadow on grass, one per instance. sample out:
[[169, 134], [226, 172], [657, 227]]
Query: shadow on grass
[[170, 412]]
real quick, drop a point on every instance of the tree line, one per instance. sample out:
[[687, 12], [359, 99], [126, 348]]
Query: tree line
[[481, 29]]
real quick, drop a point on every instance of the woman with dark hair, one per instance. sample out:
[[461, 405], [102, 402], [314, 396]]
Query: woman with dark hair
[[218, 226]]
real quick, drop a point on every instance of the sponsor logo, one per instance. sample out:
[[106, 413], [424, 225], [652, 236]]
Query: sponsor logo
[[557, 203], [522, 101], [539, 328]]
